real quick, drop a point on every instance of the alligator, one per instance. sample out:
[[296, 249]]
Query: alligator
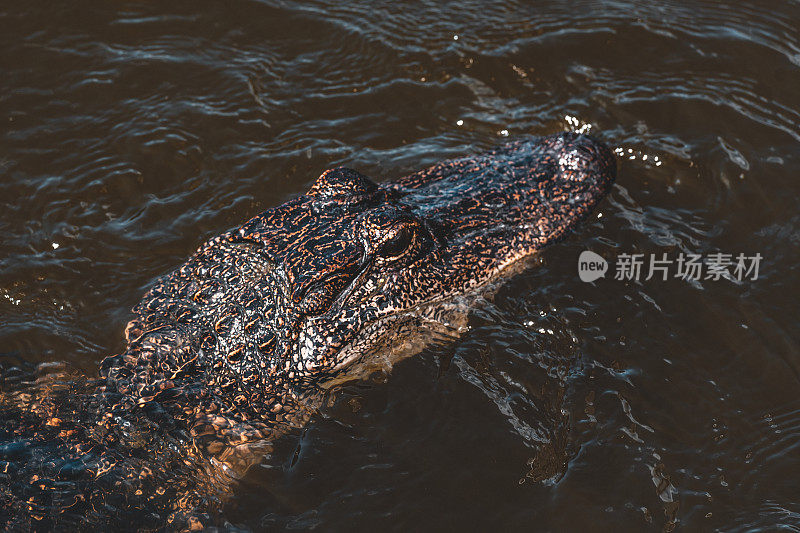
[[237, 346]]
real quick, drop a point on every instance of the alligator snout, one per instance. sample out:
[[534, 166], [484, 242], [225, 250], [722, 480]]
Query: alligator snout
[[573, 173]]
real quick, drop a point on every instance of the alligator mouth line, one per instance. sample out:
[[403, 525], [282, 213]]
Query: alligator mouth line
[[450, 325]]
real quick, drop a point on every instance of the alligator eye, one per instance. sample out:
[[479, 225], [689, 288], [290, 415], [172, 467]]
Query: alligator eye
[[397, 244]]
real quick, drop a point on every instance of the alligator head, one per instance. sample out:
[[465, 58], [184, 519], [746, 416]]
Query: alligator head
[[302, 290]]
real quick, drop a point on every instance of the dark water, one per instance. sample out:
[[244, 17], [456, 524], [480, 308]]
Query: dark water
[[133, 131]]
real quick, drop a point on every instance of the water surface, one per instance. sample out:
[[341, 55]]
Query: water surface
[[133, 131]]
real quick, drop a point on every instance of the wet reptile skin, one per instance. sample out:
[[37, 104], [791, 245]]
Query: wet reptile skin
[[233, 348]]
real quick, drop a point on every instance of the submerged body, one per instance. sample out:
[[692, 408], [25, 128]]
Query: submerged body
[[234, 347]]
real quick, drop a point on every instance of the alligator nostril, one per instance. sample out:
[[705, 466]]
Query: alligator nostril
[[570, 162], [583, 158]]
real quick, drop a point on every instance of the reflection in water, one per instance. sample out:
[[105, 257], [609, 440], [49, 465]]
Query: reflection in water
[[133, 131]]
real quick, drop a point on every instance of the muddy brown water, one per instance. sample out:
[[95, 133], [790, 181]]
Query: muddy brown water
[[133, 131]]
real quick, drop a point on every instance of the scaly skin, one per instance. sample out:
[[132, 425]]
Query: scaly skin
[[233, 348]]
